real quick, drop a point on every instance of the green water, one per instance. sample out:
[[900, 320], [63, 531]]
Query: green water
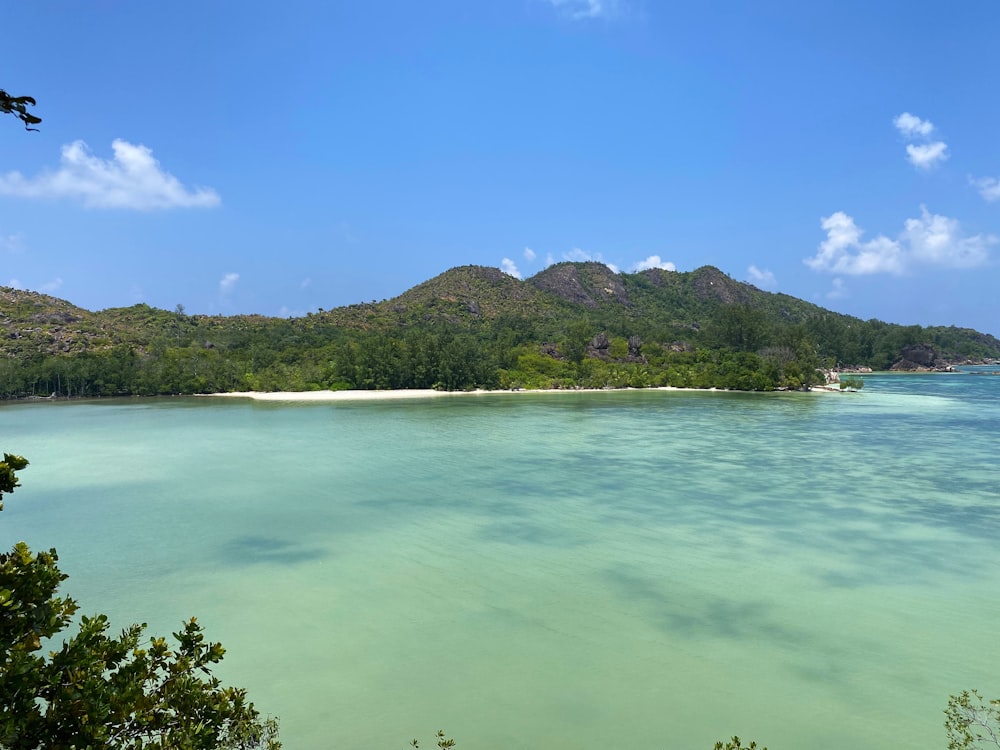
[[611, 570]]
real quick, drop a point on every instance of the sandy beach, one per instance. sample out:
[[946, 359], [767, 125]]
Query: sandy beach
[[321, 396]]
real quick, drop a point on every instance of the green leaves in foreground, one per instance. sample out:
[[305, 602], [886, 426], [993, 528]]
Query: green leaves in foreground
[[18, 106], [736, 744], [8, 476], [972, 722], [101, 691], [443, 741]]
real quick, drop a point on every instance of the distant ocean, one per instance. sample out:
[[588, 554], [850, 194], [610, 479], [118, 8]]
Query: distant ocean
[[597, 570]]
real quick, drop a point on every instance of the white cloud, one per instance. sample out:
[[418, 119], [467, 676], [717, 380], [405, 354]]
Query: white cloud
[[839, 290], [577, 255], [306, 282], [937, 240], [549, 260], [228, 282], [926, 155], [581, 9], [989, 187], [762, 278], [529, 254], [15, 284], [920, 151], [133, 179], [912, 126], [49, 287], [844, 252], [653, 261], [931, 239], [508, 267]]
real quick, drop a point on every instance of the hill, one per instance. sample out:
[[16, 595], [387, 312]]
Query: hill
[[570, 324]]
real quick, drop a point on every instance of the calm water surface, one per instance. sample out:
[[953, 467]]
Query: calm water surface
[[642, 570]]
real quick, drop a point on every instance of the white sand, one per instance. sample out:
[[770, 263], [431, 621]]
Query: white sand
[[429, 393]]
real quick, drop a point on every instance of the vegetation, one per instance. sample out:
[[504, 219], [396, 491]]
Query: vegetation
[[850, 383], [18, 106], [736, 744], [443, 741], [572, 325], [101, 691], [972, 722]]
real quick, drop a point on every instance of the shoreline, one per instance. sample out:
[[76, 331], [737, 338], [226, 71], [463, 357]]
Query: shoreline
[[408, 394]]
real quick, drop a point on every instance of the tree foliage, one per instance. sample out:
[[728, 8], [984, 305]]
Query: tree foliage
[[736, 744], [18, 106], [102, 691], [972, 722], [443, 741]]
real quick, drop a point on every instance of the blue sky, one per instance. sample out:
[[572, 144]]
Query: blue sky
[[283, 157]]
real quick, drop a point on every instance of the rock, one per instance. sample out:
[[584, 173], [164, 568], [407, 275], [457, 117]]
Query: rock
[[920, 354]]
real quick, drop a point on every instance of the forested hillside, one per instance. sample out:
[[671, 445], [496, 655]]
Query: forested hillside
[[573, 324]]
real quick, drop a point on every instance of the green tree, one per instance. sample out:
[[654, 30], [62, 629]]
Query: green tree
[[739, 327], [971, 721], [106, 692]]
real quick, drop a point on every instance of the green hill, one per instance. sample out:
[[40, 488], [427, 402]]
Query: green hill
[[472, 326]]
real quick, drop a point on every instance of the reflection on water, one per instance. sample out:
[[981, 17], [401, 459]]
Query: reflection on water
[[580, 571]]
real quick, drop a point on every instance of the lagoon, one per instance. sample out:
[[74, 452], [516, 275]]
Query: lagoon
[[622, 569]]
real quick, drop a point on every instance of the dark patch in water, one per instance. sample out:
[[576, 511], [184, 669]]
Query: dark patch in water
[[262, 550]]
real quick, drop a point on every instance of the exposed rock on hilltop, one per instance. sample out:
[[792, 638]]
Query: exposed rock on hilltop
[[467, 293], [30, 321], [712, 284], [588, 284]]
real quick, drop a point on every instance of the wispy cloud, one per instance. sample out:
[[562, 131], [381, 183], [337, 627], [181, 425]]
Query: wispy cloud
[[529, 254], [930, 239], [510, 268], [15, 284], [12, 243], [838, 290], [132, 179], [582, 256], [228, 282], [306, 282], [653, 261], [921, 152], [51, 287], [583, 9], [989, 187], [762, 278]]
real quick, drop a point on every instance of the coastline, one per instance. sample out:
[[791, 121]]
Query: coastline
[[405, 394]]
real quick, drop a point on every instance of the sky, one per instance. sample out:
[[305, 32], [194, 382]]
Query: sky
[[280, 158]]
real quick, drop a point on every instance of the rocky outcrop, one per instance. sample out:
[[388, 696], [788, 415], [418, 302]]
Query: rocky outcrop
[[919, 358], [588, 284], [711, 283], [599, 346]]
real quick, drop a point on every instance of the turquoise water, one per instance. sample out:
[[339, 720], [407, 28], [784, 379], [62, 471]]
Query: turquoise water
[[624, 569]]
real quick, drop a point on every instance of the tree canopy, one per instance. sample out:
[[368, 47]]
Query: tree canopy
[[18, 106]]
